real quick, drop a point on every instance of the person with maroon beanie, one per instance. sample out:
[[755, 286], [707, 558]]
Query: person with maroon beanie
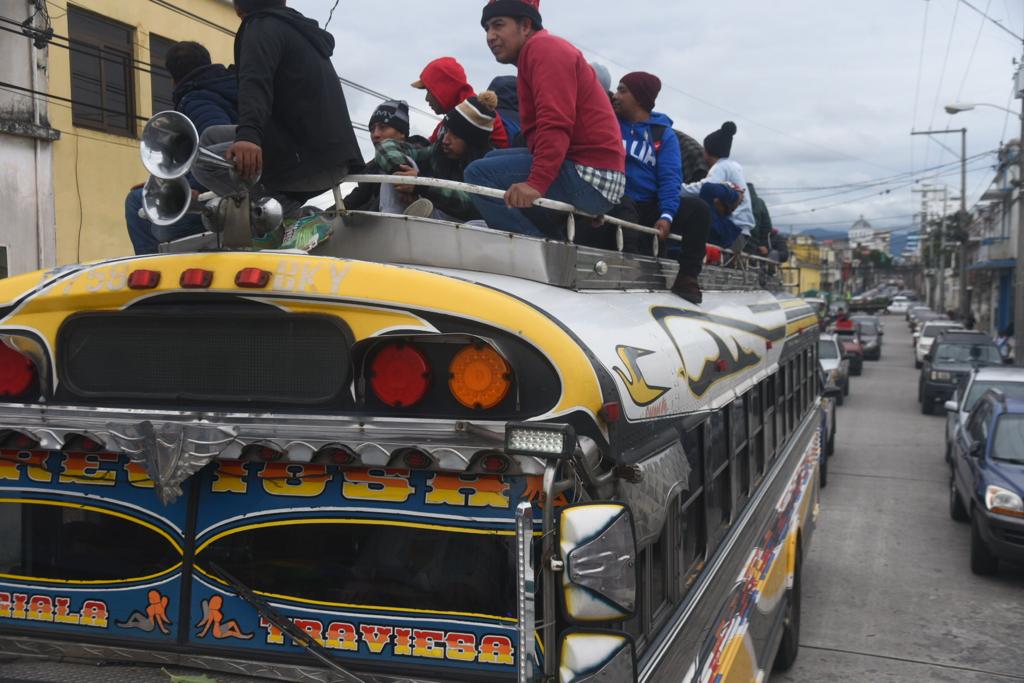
[[574, 148]]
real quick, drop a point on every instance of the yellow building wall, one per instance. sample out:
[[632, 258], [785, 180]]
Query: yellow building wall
[[93, 171], [807, 266]]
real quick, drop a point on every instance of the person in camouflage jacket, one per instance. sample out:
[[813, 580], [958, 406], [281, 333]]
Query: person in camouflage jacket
[[467, 136]]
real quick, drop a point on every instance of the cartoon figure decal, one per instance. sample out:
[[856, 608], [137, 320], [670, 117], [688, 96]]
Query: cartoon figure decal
[[154, 618], [213, 619]]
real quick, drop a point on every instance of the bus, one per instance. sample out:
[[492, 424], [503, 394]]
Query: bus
[[416, 451]]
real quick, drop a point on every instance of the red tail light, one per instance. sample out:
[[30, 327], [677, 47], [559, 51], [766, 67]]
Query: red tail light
[[400, 375], [18, 441], [253, 278], [416, 460], [335, 455], [262, 454], [143, 279], [17, 373], [495, 463], [196, 278]]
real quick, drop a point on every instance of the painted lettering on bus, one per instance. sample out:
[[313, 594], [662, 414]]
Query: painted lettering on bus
[[377, 485], [58, 610], [404, 642], [89, 469]]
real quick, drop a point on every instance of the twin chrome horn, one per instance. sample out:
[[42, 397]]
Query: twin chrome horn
[[170, 151]]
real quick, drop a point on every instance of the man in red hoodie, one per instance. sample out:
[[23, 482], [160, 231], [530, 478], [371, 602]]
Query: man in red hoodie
[[447, 87], [574, 148]]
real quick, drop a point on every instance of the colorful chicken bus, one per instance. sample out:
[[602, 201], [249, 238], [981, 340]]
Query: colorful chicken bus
[[423, 452]]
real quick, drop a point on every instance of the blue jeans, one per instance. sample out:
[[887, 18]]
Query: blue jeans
[[146, 237], [503, 168], [724, 232]]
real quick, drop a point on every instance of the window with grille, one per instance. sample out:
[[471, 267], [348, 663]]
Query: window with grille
[[102, 78], [160, 78]]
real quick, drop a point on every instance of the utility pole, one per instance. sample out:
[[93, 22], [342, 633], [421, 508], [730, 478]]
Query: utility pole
[[1018, 271], [964, 304], [942, 251], [929, 245]]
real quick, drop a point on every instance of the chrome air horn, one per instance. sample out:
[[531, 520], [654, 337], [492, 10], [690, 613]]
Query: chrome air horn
[[170, 150]]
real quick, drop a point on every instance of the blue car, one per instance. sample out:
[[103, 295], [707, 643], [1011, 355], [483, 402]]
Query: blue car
[[987, 482]]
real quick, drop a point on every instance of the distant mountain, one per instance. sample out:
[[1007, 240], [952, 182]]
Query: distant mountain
[[823, 234]]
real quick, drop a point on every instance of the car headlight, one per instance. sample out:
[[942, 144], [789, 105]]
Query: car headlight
[[941, 376], [1001, 501]]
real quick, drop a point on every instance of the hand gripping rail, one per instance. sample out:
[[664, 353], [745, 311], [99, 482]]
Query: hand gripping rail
[[543, 203]]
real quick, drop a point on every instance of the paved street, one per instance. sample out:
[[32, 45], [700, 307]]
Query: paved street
[[888, 590]]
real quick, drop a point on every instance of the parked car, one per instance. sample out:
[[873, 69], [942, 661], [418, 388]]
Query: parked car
[[987, 481], [853, 349], [871, 336], [924, 339], [952, 358], [925, 317], [914, 310], [1010, 381], [900, 304], [831, 396], [835, 365]]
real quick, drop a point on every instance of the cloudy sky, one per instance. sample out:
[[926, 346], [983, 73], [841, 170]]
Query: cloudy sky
[[825, 94]]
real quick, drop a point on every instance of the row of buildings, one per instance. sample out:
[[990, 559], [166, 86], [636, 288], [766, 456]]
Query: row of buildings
[[77, 82], [930, 259], [838, 266]]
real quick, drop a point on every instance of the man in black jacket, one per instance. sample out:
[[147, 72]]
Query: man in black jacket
[[294, 125]]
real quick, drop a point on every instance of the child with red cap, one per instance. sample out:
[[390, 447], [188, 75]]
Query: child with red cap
[[574, 152], [447, 85]]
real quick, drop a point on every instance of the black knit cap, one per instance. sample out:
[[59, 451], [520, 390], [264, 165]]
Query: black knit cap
[[719, 143], [392, 113], [513, 8]]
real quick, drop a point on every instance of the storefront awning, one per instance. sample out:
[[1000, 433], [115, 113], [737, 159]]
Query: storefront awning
[[995, 264]]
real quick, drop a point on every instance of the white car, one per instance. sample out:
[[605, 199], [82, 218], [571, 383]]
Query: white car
[[924, 339], [1008, 380], [835, 367], [900, 304]]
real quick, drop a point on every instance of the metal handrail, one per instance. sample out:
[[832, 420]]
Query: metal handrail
[[543, 203]]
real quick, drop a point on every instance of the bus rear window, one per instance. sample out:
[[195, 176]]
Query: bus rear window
[[68, 542], [355, 562]]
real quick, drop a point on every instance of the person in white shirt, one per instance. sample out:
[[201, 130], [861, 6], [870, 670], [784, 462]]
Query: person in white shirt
[[725, 190]]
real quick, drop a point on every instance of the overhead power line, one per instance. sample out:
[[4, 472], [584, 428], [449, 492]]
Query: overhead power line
[[997, 23], [884, 180]]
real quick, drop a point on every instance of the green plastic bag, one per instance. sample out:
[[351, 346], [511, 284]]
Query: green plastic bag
[[189, 679]]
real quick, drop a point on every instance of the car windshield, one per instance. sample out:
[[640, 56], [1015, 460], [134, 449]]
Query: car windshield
[[967, 353], [978, 389], [868, 327], [931, 331], [1009, 440], [827, 350]]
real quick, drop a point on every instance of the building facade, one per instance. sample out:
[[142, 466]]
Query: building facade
[[992, 250], [27, 238], [97, 79]]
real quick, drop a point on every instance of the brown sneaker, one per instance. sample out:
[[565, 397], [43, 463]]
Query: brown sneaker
[[688, 287]]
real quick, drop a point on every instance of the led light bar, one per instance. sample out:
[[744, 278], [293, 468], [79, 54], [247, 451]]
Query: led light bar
[[540, 439]]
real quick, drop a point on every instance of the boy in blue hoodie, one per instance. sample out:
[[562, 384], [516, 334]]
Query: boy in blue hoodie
[[654, 173], [207, 94]]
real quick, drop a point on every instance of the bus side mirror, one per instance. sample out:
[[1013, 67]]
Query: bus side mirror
[[596, 657], [597, 546]]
